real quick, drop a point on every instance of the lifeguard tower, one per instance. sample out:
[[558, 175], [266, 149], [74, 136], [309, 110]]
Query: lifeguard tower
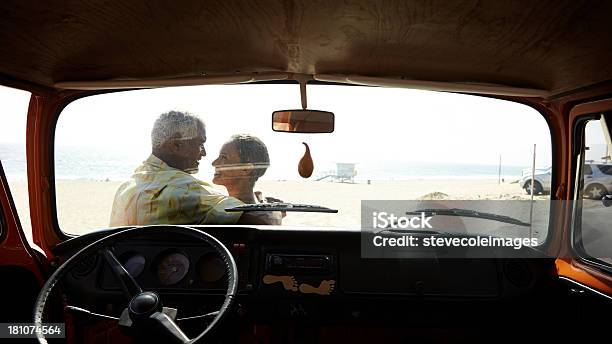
[[345, 173]]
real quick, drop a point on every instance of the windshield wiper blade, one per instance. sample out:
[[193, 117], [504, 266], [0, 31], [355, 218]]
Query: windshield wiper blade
[[279, 206], [469, 213]]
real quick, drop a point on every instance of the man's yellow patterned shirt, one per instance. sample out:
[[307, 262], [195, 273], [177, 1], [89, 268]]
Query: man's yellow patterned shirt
[[160, 194]]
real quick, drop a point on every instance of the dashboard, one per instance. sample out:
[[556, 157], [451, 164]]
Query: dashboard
[[288, 271], [175, 267]]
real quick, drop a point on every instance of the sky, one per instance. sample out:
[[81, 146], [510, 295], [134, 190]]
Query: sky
[[14, 105], [373, 124]]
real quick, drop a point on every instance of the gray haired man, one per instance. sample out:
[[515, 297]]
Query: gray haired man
[[163, 191]]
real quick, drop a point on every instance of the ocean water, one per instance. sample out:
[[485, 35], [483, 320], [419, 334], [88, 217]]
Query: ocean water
[[74, 163], [118, 165], [12, 159]]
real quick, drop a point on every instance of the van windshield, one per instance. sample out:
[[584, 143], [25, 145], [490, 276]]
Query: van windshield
[[387, 144]]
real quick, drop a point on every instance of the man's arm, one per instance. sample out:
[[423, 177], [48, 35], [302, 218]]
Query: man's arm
[[259, 218], [214, 205]]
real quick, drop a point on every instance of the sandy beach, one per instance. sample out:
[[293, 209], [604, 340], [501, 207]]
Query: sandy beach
[[84, 205]]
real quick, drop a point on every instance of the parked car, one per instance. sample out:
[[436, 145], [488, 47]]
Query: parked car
[[542, 180], [597, 180]]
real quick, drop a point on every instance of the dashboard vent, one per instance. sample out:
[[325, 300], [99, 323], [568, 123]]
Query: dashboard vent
[[85, 266], [518, 273]]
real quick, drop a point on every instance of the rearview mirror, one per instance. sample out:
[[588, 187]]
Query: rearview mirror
[[303, 121]]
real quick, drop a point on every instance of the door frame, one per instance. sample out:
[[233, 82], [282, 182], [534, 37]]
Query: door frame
[[15, 250], [570, 265]]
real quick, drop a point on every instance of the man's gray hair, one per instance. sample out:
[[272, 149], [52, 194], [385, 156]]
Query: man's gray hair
[[176, 125]]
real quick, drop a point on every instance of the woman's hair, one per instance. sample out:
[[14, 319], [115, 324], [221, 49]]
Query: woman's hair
[[252, 151]]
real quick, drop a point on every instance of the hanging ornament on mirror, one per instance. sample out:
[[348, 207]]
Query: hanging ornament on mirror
[[306, 166]]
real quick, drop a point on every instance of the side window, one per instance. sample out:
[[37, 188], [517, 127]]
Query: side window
[[606, 169], [593, 233], [1, 213], [13, 118]]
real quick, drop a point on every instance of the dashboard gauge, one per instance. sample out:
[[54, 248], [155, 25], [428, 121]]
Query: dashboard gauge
[[210, 268], [172, 268], [133, 263]]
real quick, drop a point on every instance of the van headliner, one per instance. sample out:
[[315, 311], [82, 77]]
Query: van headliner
[[556, 46]]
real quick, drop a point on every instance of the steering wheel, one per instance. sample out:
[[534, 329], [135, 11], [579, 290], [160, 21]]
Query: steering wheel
[[144, 312]]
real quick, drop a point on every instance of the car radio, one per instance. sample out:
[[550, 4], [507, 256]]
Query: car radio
[[305, 263]]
